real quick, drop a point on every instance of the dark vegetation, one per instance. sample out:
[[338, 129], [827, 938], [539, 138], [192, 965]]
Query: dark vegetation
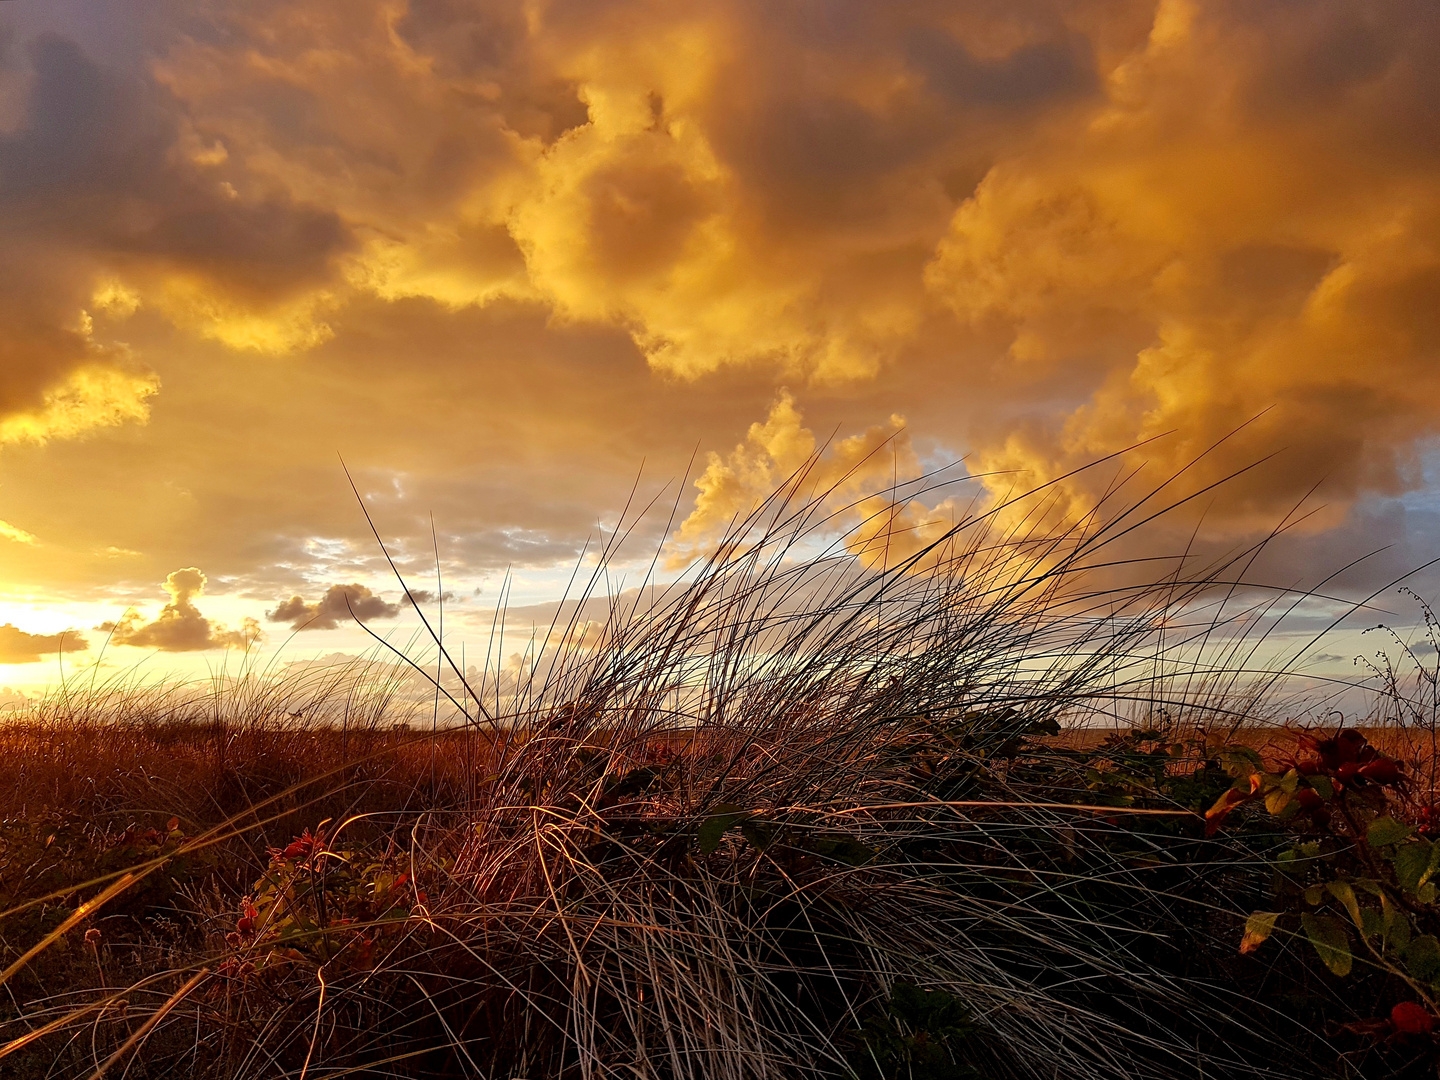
[[990, 811]]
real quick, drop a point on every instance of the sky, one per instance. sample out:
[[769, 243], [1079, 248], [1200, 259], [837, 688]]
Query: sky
[[509, 262]]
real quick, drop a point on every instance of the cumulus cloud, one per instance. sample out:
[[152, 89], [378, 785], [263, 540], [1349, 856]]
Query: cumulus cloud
[[14, 699], [782, 454], [1246, 226], [1166, 215], [427, 596], [1042, 232], [19, 647], [638, 167], [340, 604], [108, 205], [180, 627]]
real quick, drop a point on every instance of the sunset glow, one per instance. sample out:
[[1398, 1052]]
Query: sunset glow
[[508, 261]]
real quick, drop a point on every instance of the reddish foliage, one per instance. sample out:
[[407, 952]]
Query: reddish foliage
[[1412, 1018], [303, 847], [1348, 756], [245, 924]]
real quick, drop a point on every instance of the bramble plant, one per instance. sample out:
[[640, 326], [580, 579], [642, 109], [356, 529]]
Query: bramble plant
[[1359, 880], [324, 904]]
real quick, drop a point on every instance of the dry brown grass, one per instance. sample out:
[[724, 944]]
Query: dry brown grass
[[728, 838]]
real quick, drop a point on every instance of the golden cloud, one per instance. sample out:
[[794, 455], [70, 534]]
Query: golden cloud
[[180, 627], [19, 647], [576, 164], [101, 215], [339, 604], [1209, 255], [1159, 234], [92, 396], [582, 634], [782, 454], [1042, 232]]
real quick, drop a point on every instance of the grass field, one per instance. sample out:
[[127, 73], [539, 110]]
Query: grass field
[[983, 813]]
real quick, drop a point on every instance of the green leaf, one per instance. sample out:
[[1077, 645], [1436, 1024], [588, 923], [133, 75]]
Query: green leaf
[[1372, 923], [1414, 862], [1397, 924], [1259, 926], [1322, 785], [1386, 830], [1328, 936], [1241, 761], [1277, 800], [1314, 894], [1422, 958], [758, 834], [714, 828], [1342, 891]]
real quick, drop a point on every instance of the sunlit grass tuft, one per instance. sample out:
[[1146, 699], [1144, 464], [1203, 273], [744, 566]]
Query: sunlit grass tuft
[[784, 817]]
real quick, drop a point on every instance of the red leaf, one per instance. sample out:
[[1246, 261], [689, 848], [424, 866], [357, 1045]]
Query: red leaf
[[1412, 1018]]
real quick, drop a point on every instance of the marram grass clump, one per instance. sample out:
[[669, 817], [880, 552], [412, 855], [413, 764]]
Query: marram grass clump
[[840, 816]]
